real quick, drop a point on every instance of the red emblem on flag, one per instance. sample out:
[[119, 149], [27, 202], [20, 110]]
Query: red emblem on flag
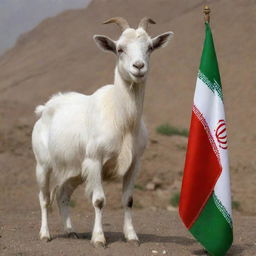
[[221, 134]]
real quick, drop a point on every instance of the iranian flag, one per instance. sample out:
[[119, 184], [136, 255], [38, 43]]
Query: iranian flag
[[205, 202]]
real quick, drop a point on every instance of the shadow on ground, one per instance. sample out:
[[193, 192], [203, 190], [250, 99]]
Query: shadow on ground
[[235, 250], [113, 237]]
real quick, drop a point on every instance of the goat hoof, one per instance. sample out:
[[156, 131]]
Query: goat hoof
[[73, 235], [99, 244], [46, 239], [134, 242]]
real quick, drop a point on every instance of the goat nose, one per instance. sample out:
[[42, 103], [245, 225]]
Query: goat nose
[[138, 64]]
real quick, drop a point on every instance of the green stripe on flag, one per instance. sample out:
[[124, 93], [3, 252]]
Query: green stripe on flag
[[209, 70], [223, 210], [212, 229]]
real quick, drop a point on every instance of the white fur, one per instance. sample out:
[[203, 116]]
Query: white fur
[[88, 138]]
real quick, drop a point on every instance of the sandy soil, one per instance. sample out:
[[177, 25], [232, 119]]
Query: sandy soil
[[159, 230], [60, 55], [160, 233]]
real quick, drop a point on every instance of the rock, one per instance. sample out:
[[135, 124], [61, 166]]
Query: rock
[[154, 141], [171, 208], [154, 184], [158, 182], [150, 186]]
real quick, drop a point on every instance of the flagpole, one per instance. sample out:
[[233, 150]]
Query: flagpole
[[205, 200], [207, 11]]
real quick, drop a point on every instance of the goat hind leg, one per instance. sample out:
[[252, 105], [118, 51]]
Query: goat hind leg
[[43, 178], [64, 193]]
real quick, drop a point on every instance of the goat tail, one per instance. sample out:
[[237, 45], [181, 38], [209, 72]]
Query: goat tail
[[39, 110], [52, 197]]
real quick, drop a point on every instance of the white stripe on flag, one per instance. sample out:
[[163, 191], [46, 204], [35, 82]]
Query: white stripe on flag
[[211, 107]]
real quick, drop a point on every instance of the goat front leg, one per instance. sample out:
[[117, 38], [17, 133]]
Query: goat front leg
[[94, 188], [127, 200]]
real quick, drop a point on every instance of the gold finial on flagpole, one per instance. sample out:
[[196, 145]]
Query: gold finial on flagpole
[[207, 14]]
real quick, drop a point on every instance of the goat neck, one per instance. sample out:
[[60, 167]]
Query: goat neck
[[129, 98]]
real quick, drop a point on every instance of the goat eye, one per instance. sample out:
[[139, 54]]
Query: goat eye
[[120, 50]]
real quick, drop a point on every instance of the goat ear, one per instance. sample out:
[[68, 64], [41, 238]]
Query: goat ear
[[105, 43], [161, 40]]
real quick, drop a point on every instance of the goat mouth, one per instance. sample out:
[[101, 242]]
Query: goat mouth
[[139, 75]]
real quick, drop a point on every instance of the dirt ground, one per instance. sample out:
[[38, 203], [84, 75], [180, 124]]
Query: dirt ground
[[60, 55], [159, 230], [160, 233]]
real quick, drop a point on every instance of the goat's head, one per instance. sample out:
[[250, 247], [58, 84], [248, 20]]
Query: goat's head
[[133, 48]]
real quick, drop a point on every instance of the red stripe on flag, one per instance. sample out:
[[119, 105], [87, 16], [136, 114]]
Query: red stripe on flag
[[201, 172]]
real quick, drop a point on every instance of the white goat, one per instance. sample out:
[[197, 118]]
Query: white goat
[[87, 139]]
